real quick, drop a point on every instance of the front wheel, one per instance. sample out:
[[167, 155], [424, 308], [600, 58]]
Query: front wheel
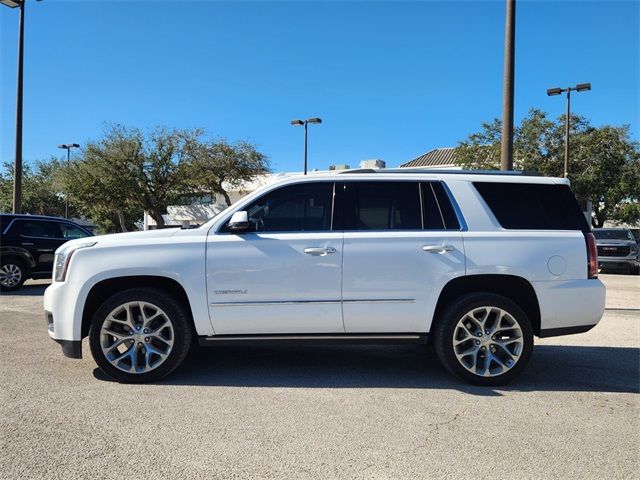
[[483, 338], [140, 335]]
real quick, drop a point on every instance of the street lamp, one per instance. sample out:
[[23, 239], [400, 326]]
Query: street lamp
[[17, 163], [581, 87], [304, 123], [68, 147]]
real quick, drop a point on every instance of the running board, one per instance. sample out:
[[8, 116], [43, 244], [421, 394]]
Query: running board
[[296, 339]]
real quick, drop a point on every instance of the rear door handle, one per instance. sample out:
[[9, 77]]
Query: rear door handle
[[441, 248], [319, 251]]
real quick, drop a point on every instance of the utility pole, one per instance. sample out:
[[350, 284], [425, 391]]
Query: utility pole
[[506, 152]]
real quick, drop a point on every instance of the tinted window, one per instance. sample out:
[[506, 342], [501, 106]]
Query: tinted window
[[4, 222], [297, 208], [433, 219], [613, 235], [71, 231], [40, 229], [382, 206], [448, 213], [533, 206]]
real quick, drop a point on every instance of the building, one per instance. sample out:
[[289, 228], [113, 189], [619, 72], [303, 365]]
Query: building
[[439, 158]]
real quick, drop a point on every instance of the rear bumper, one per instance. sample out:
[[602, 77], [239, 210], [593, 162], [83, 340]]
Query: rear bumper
[[619, 261], [557, 332], [570, 306]]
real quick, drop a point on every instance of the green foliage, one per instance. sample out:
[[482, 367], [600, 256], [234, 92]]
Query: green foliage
[[216, 166], [42, 193], [604, 162], [127, 172]]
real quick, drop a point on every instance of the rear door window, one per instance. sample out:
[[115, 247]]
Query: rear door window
[[382, 206], [524, 206], [39, 229], [448, 220]]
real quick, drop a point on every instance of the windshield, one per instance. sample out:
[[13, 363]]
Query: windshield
[[613, 234]]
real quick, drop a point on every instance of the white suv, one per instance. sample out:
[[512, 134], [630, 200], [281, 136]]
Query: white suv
[[475, 263]]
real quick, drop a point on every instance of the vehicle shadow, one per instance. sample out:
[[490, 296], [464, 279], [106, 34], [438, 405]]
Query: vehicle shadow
[[28, 291], [552, 368]]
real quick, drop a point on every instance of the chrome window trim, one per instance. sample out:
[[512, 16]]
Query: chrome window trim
[[461, 221]]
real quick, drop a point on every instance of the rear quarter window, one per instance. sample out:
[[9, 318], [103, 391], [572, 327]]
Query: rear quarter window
[[526, 206]]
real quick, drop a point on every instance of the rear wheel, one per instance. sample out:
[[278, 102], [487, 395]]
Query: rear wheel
[[140, 335], [13, 274], [483, 338]]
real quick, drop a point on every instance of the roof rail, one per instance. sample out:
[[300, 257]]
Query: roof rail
[[523, 173], [359, 170]]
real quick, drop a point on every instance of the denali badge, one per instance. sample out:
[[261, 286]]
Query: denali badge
[[230, 292]]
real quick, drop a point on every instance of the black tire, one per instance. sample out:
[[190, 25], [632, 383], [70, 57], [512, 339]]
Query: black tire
[[176, 314], [445, 330], [634, 270], [13, 263]]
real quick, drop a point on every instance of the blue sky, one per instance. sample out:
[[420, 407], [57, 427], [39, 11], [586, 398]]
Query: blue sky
[[390, 80]]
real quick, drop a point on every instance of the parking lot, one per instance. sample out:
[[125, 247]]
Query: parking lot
[[323, 412]]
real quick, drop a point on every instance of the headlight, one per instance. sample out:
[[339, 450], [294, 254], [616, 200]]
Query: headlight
[[62, 259]]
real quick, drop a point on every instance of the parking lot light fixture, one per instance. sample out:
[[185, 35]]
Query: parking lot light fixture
[[304, 123], [68, 147], [581, 87]]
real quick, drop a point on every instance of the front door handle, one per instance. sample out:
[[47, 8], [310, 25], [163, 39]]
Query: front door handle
[[319, 251], [441, 248]]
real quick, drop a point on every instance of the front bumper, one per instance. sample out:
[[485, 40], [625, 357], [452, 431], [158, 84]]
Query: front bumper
[[71, 348], [63, 319]]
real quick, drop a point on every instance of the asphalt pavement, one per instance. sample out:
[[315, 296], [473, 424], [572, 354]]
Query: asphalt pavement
[[323, 412]]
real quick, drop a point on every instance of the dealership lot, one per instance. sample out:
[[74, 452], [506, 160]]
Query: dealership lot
[[323, 412]]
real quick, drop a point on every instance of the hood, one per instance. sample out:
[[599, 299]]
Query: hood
[[126, 236], [123, 237]]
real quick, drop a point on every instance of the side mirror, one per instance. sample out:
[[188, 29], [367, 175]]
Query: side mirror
[[239, 222]]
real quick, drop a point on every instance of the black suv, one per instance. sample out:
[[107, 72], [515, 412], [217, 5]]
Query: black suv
[[28, 244]]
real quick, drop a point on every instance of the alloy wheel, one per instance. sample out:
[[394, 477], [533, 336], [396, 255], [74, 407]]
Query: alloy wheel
[[10, 275], [137, 337], [487, 341]]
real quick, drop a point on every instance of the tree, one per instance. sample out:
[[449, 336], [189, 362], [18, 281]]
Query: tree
[[42, 194], [216, 166], [128, 172], [604, 163]]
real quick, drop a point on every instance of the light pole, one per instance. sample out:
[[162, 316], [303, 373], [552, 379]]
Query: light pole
[[17, 162], [68, 147], [581, 87], [304, 123], [506, 149]]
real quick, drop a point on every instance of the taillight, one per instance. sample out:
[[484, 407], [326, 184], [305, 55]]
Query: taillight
[[592, 256]]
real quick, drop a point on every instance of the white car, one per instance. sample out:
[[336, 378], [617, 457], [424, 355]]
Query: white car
[[475, 263]]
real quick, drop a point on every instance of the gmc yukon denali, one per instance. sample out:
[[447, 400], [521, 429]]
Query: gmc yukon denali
[[475, 263]]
